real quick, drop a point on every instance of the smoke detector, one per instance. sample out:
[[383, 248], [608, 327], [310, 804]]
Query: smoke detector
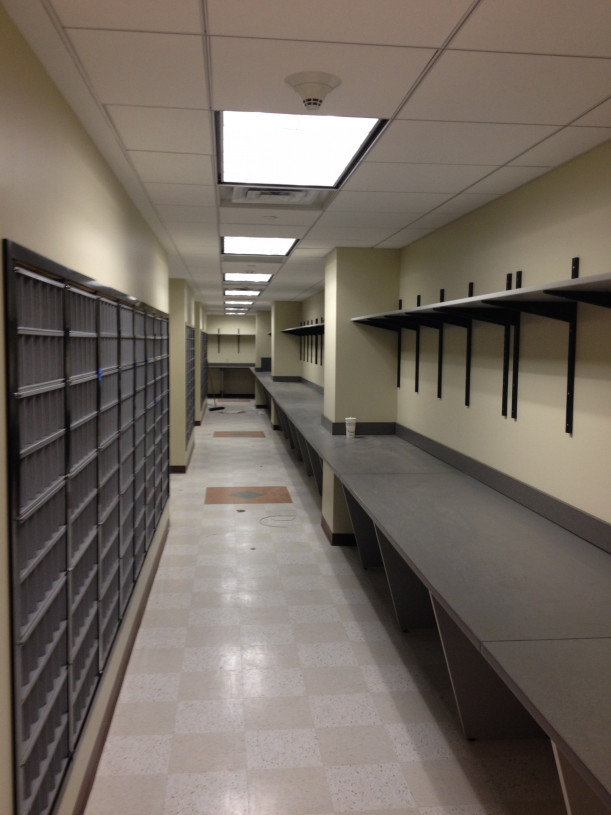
[[312, 87]]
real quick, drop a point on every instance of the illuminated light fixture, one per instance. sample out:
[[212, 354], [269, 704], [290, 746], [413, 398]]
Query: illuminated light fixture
[[241, 293], [258, 246], [312, 87], [239, 302], [286, 149], [246, 277]]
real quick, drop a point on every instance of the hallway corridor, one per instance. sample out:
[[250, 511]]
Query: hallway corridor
[[269, 676]]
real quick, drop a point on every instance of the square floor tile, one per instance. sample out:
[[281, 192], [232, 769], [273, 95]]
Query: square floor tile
[[238, 434], [289, 791], [261, 713], [327, 654], [273, 682], [344, 710], [136, 755], [273, 749], [213, 793], [210, 716], [248, 495], [207, 752], [138, 795], [365, 787], [355, 745]]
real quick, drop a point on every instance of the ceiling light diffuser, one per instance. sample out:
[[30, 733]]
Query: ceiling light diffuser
[[257, 246], [273, 148], [246, 277], [241, 293]]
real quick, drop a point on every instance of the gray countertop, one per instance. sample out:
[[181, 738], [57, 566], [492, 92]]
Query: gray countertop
[[562, 682], [534, 598]]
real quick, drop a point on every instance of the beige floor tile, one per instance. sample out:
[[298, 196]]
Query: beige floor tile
[[275, 713], [144, 718], [448, 781], [138, 795], [222, 792], [355, 745], [207, 752], [294, 791], [361, 787]]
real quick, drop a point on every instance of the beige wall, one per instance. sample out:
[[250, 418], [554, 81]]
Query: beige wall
[[228, 329], [536, 229], [360, 366], [58, 198], [285, 347], [313, 309]]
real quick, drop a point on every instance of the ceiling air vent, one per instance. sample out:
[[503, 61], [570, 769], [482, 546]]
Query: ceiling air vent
[[275, 196]]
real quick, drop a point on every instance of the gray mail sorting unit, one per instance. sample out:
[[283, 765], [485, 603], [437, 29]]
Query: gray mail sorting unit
[[79, 374]]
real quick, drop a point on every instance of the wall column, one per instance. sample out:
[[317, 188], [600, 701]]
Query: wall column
[[285, 348], [181, 315], [360, 370]]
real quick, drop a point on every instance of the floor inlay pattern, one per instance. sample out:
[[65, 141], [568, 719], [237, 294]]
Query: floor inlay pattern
[[248, 495]]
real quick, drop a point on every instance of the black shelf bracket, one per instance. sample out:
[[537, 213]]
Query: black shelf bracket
[[567, 313]]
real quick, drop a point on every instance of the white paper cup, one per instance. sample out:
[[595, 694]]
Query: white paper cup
[[350, 427]]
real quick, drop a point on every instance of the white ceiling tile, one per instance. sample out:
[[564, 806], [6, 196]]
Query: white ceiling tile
[[489, 87], [506, 179], [456, 208], [565, 145], [182, 16], [182, 194], [318, 245], [438, 178], [166, 129], [312, 267], [600, 116], [386, 220], [379, 201], [249, 74], [204, 234], [455, 142], [348, 236], [128, 68], [263, 231], [181, 168], [404, 238], [541, 27], [387, 22], [172, 213], [268, 216]]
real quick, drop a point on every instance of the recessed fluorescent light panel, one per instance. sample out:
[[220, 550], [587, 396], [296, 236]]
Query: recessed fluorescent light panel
[[239, 302], [246, 277], [241, 293], [309, 151], [258, 246]]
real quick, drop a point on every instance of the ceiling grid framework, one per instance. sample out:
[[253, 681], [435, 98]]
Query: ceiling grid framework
[[480, 97]]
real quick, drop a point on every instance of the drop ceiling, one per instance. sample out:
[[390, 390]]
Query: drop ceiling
[[480, 97]]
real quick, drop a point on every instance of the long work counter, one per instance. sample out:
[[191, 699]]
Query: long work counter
[[523, 606]]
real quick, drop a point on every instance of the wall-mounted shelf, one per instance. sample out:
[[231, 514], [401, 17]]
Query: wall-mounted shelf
[[309, 350], [237, 334], [305, 330], [557, 301]]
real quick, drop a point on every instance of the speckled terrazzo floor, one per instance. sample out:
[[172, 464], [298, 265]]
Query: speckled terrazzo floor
[[269, 676]]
